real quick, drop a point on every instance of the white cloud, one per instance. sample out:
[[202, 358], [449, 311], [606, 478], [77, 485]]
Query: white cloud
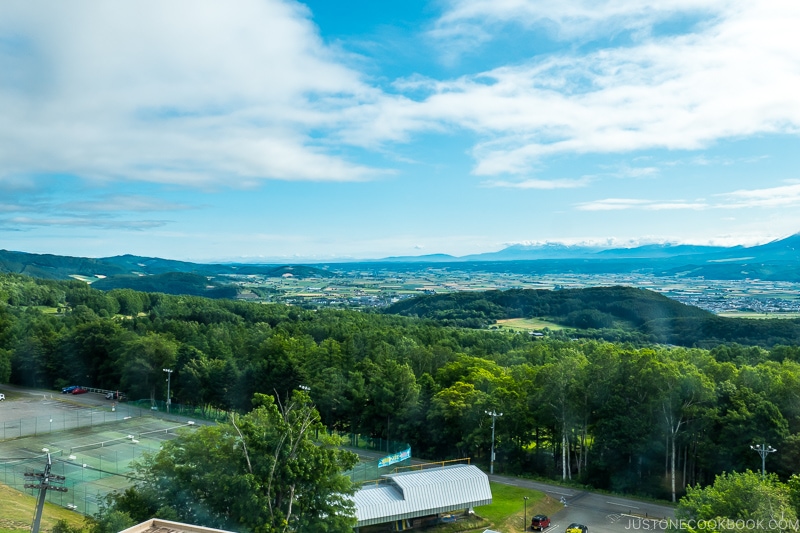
[[21, 223], [196, 92], [186, 91], [573, 19], [540, 184], [771, 197], [620, 204], [117, 203], [612, 204], [783, 196], [735, 76]]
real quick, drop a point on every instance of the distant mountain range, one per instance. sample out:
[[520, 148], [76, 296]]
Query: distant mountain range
[[778, 260], [782, 249]]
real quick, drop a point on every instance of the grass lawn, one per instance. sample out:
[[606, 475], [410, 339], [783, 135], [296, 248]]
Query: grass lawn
[[507, 510], [17, 510], [527, 324]]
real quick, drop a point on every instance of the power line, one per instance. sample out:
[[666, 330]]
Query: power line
[[47, 481]]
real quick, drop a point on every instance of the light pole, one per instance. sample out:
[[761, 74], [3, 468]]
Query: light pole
[[763, 450], [494, 414], [169, 375], [525, 523], [307, 390]]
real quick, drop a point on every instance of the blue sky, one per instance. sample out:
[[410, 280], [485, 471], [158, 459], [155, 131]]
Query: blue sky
[[274, 129]]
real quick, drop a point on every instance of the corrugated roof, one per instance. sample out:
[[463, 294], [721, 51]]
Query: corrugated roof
[[422, 493], [156, 525]]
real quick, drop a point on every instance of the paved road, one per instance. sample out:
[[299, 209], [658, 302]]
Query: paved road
[[601, 513]]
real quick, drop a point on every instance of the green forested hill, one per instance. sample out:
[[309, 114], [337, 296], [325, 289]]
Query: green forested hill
[[147, 274], [48, 266], [608, 304], [610, 312], [169, 283]]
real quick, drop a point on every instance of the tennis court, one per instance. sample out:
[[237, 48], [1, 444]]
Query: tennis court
[[94, 460]]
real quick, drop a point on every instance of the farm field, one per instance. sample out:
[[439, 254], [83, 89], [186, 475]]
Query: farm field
[[527, 324], [759, 316], [382, 285]]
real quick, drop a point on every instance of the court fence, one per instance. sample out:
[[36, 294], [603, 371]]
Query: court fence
[[93, 447]]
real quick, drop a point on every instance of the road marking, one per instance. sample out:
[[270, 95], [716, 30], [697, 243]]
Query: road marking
[[561, 493], [622, 505]]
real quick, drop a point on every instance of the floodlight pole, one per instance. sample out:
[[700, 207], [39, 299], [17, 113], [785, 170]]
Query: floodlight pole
[[169, 375], [525, 522], [763, 450], [493, 414]]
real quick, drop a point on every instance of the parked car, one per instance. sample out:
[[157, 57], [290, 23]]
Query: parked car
[[115, 395], [68, 390], [577, 528], [540, 522], [79, 390]]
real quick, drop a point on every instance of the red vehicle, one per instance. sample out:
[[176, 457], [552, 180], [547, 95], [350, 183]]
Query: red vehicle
[[79, 390], [540, 522]]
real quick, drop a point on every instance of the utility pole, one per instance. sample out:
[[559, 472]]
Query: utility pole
[[763, 450], [44, 485], [169, 375], [494, 414]]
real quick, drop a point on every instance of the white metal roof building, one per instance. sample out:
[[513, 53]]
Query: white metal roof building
[[156, 525], [408, 495]]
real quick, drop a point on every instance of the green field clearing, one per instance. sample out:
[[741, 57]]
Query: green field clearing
[[85, 279], [757, 316], [46, 309], [527, 324]]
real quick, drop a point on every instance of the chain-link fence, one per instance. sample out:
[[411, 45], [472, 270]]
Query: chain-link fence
[[94, 460], [67, 419], [192, 411], [371, 469]]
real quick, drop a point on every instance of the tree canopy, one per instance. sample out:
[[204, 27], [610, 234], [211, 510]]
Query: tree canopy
[[645, 418], [261, 472]]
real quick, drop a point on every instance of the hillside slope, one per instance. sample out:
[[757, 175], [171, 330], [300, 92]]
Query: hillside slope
[[613, 313]]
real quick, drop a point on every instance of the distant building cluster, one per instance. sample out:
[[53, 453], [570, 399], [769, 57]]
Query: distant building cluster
[[384, 286]]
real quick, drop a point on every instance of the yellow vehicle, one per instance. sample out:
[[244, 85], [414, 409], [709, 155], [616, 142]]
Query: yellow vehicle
[[577, 528]]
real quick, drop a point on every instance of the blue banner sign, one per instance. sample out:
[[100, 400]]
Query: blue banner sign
[[395, 458]]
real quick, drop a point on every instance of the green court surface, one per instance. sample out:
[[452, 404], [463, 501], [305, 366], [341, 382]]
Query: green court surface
[[93, 460]]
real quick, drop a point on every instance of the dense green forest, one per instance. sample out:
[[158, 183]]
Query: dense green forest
[[170, 283], [631, 418], [611, 313]]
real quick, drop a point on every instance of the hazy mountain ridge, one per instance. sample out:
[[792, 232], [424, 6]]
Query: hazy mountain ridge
[[64, 267], [776, 261]]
